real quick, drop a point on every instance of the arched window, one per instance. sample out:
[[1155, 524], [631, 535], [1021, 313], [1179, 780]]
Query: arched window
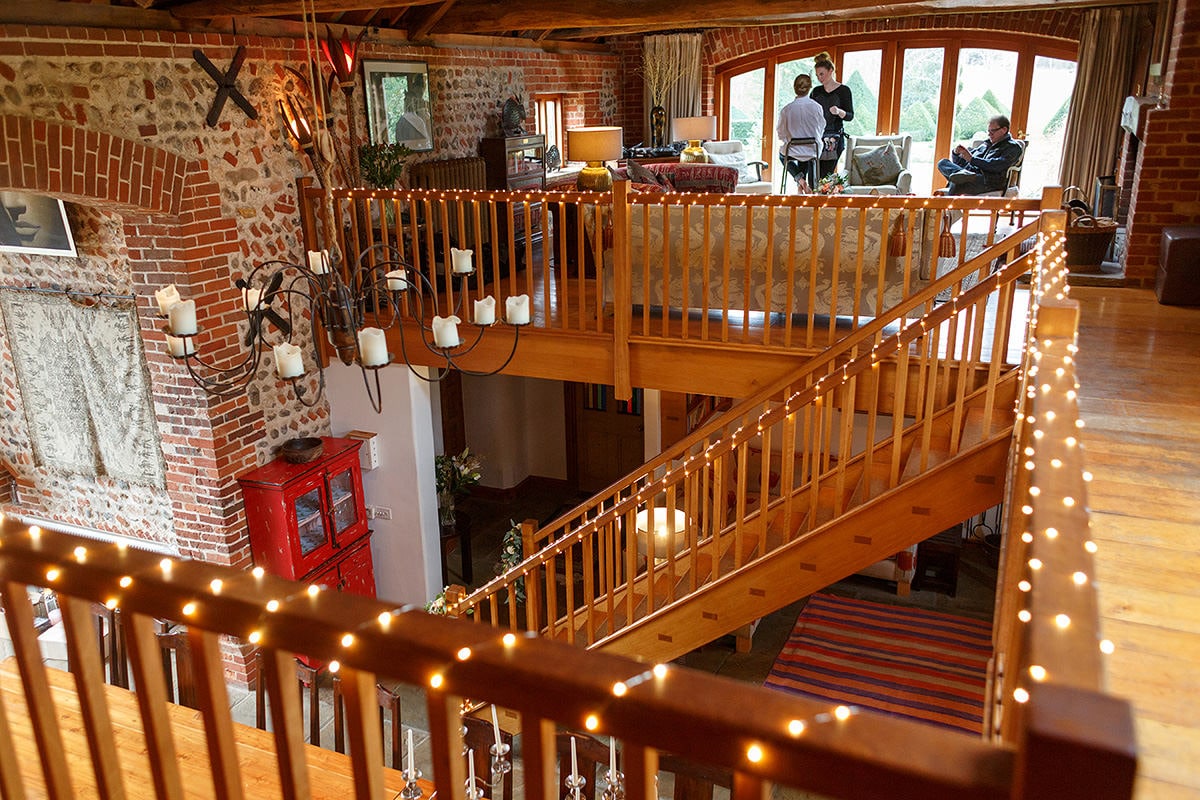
[[940, 87]]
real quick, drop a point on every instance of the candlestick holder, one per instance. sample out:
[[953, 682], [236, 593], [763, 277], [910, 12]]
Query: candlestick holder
[[501, 764], [412, 789], [474, 788], [614, 788], [575, 784]]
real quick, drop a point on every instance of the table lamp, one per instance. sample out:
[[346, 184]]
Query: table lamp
[[595, 146], [695, 130]]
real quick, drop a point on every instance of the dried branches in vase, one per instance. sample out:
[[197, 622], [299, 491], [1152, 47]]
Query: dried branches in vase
[[660, 71]]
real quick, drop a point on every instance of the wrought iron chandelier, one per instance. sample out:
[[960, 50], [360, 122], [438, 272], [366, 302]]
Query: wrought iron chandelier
[[355, 310]]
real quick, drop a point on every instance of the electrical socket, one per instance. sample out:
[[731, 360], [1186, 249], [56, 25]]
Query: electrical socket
[[382, 513]]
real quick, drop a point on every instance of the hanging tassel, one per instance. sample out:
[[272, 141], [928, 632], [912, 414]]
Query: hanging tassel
[[898, 241], [946, 247]]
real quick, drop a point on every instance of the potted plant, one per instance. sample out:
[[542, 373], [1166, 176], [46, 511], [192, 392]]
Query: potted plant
[[456, 474], [382, 165]]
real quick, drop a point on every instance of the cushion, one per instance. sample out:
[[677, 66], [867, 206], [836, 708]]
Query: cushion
[[737, 161], [639, 174], [879, 166]]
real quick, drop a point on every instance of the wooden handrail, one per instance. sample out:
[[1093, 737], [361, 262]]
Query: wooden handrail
[[802, 743]]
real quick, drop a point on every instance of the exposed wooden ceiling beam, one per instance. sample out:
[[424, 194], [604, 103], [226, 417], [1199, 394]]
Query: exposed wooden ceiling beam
[[630, 16], [433, 17], [268, 8]]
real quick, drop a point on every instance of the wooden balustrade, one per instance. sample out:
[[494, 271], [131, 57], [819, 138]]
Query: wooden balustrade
[[634, 268], [779, 464]]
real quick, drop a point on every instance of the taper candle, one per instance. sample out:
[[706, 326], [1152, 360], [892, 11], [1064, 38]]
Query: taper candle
[[411, 774], [574, 762], [496, 726], [612, 758]]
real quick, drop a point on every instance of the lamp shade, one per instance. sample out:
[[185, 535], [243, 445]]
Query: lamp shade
[[669, 531], [695, 128], [594, 144]]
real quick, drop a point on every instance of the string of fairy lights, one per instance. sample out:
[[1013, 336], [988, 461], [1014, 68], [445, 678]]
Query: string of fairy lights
[[654, 678], [675, 473], [1050, 436]]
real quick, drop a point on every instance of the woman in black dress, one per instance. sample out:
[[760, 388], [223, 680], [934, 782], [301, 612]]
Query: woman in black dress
[[836, 100]]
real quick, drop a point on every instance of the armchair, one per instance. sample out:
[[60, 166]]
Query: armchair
[[859, 179], [1012, 183], [732, 153]]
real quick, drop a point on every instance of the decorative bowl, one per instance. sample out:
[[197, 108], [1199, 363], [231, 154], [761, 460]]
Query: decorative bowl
[[301, 451]]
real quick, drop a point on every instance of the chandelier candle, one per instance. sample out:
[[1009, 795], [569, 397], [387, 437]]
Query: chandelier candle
[[462, 261], [516, 310], [166, 297], [288, 361], [180, 347], [445, 331], [372, 347], [183, 318], [397, 281], [318, 262], [485, 313], [252, 298]]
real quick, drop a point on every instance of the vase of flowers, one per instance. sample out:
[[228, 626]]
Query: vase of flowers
[[833, 183], [455, 475], [511, 554]]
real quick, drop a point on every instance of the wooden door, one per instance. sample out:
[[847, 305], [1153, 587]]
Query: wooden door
[[609, 435]]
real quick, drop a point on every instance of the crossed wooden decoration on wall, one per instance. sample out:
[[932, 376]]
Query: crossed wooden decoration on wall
[[226, 86]]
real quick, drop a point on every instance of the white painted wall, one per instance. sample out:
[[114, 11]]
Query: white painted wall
[[405, 548], [517, 425]]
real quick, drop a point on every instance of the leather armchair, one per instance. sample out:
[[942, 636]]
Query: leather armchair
[[858, 145], [732, 153]]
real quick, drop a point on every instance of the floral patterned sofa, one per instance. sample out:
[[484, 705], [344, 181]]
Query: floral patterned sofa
[[680, 177]]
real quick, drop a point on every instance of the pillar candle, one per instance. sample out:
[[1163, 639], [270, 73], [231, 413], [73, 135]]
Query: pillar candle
[[445, 331], [485, 311], [574, 762], [183, 318], [179, 348], [516, 310], [462, 260], [318, 261], [252, 297], [288, 361], [411, 773], [496, 727], [166, 297], [397, 280], [372, 347]]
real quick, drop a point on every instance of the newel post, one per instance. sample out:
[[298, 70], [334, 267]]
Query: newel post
[[622, 291]]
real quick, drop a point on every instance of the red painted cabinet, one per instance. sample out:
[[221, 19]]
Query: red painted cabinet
[[308, 521]]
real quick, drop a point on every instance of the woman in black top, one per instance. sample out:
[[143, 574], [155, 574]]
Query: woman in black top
[[835, 98]]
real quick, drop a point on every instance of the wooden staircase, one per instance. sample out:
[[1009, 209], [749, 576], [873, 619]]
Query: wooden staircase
[[887, 438], [806, 540]]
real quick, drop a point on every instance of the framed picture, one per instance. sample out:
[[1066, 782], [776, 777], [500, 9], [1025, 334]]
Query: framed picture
[[398, 106], [34, 224]]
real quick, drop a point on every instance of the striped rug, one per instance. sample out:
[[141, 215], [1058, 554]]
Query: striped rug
[[923, 665]]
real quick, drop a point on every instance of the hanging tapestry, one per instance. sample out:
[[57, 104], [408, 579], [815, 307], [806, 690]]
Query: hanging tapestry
[[83, 382]]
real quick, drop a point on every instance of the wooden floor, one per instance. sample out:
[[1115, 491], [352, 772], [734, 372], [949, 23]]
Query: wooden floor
[[1139, 368]]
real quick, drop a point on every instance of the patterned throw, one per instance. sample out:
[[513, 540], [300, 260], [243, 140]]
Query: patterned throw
[[913, 663]]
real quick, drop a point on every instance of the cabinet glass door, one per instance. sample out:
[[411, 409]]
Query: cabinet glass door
[[341, 499], [310, 522]]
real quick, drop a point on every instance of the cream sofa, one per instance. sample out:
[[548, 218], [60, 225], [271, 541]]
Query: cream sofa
[[761, 284]]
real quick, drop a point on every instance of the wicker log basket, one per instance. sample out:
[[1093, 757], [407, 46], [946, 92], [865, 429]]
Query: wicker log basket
[[1088, 236]]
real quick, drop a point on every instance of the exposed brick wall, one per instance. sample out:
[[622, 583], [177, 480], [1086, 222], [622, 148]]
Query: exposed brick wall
[[1166, 183]]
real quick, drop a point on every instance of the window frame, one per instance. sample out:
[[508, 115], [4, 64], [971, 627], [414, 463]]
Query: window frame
[[952, 41]]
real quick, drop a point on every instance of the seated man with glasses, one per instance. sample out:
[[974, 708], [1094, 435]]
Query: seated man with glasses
[[984, 168]]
